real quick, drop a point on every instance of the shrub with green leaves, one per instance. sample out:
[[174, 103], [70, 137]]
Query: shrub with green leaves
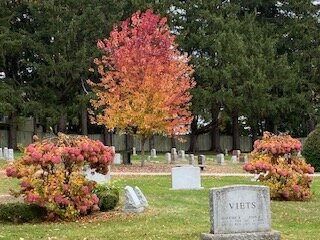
[[108, 195], [21, 213], [311, 149]]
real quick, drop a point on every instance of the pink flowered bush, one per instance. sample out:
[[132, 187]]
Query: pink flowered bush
[[51, 174]]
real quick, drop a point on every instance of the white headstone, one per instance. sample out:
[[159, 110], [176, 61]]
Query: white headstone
[[220, 159], [5, 153], [173, 151], [181, 154], [168, 158], [1, 154], [10, 155], [142, 198], [132, 203], [99, 178], [153, 153], [134, 151], [226, 152], [191, 159], [186, 177], [236, 153], [117, 158], [234, 159]]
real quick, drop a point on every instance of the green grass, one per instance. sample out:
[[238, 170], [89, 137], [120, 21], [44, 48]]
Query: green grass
[[172, 215]]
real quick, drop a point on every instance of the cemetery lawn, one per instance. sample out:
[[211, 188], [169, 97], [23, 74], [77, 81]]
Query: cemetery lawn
[[172, 215]]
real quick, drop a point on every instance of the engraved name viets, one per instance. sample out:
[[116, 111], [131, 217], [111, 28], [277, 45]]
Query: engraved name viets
[[242, 205]]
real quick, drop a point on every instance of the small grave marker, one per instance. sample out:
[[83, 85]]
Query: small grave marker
[[132, 203], [186, 177]]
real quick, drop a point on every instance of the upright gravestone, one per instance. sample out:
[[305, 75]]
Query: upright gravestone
[[132, 203], [117, 159], [153, 153], [234, 159], [10, 155], [226, 152], [201, 161], [191, 159], [174, 155], [186, 177], [5, 153], [168, 158], [220, 159], [99, 178], [1, 154], [134, 151], [181, 155], [141, 197], [236, 153], [240, 212]]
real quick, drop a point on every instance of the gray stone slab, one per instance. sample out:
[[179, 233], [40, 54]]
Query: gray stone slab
[[132, 203], [168, 158], [220, 159], [10, 155], [5, 153], [153, 153], [1, 154], [134, 151], [140, 195], [117, 159], [272, 235], [181, 155], [186, 177]]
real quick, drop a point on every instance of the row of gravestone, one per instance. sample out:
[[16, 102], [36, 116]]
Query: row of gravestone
[[7, 154]]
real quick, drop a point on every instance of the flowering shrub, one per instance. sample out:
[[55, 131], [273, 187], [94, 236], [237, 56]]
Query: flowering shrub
[[274, 159], [52, 177]]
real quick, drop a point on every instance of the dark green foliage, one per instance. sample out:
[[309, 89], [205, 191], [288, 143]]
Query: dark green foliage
[[311, 149], [21, 213], [108, 196]]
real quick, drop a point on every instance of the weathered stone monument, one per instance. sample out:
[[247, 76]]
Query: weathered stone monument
[[168, 158], [141, 197], [5, 153], [226, 152], [234, 159], [220, 159], [153, 153], [191, 159], [117, 159], [10, 155], [240, 212], [201, 161], [174, 155], [181, 155], [99, 178], [1, 154], [186, 177], [236, 153], [134, 151], [132, 203]]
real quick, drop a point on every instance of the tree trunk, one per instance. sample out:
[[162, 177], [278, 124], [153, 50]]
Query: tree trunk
[[13, 125], [62, 126], [84, 121], [107, 137], [151, 143], [235, 131], [193, 137], [143, 140], [127, 152], [215, 134], [173, 142]]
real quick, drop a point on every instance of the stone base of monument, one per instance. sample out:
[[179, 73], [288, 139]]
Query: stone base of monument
[[272, 235]]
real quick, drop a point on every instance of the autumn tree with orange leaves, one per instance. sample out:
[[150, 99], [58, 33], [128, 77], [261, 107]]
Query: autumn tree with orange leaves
[[145, 81]]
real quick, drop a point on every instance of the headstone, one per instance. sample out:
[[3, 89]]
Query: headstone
[[240, 212], [186, 177], [10, 155], [226, 152], [174, 155], [234, 159], [117, 159], [99, 178], [113, 149], [236, 153], [134, 151], [5, 153], [141, 197], [191, 159], [168, 158], [132, 203], [153, 153], [243, 158], [181, 155], [1, 154], [220, 159], [201, 161]]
